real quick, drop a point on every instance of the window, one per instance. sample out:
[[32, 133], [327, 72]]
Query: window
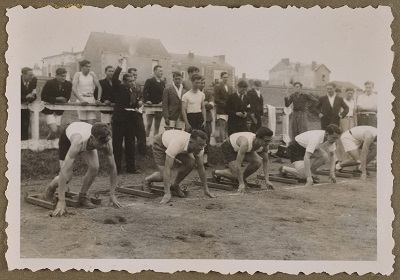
[[323, 78]]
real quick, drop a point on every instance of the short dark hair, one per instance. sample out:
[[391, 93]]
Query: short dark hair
[[126, 76], [223, 73], [198, 133], [84, 63], [192, 69], [60, 71], [108, 67], [100, 130], [131, 69], [333, 128], [156, 67], [369, 83], [298, 83], [264, 131], [25, 70], [338, 90], [196, 77], [331, 84], [257, 83], [243, 84], [176, 74], [349, 89]]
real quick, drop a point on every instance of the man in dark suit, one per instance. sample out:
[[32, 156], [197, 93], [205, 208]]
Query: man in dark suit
[[172, 103], [256, 106], [221, 93], [28, 95], [137, 100], [329, 107], [152, 94], [122, 125], [237, 109], [107, 95], [57, 90]]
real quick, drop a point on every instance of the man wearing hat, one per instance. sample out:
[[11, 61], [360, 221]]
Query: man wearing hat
[[300, 100], [84, 139]]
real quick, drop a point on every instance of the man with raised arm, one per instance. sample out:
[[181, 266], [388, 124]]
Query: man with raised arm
[[310, 150], [245, 146], [180, 145], [358, 138], [84, 139]]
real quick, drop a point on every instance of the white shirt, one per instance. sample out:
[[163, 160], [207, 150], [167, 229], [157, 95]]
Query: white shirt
[[312, 140], [368, 102], [258, 93], [331, 99], [194, 100], [250, 138], [85, 85], [351, 105], [176, 142], [81, 128], [178, 90], [226, 87], [358, 132]]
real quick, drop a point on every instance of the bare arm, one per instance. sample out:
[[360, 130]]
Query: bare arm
[[97, 83], [202, 175], [203, 112], [243, 148], [265, 160], [66, 173], [75, 82], [184, 115], [113, 174], [332, 174]]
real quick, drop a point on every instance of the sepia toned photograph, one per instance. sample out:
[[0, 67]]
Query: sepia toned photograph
[[200, 139]]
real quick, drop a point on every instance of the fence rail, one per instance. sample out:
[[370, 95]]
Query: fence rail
[[36, 107]]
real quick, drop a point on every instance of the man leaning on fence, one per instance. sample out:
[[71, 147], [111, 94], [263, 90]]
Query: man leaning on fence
[[28, 95], [57, 90]]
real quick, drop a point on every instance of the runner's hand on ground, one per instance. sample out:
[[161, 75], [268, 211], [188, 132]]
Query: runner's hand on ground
[[114, 202]]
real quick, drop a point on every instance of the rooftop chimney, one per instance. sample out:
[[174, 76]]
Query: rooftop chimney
[[297, 67], [286, 61], [313, 65], [222, 57], [244, 76], [190, 55]]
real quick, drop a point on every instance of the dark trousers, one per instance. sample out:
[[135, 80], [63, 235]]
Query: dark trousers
[[196, 120], [124, 131], [236, 125], [25, 121], [367, 119], [140, 132], [254, 127]]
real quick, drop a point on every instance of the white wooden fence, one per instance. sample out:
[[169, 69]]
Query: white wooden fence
[[35, 143]]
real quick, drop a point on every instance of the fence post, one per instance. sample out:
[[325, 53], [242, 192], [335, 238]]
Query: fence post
[[35, 107]]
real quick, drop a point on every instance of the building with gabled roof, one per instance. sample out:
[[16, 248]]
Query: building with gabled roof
[[210, 67], [310, 75], [103, 49]]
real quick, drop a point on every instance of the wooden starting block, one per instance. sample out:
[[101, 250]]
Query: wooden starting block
[[277, 178], [231, 183], [338, 174], [135, 190], [71, 200], [371, 168], [215, 185], [343, 171]]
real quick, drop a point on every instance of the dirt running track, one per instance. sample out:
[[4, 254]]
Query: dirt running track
[[324, 222]]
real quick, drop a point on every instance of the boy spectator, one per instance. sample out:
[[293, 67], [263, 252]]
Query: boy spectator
[[237, 107], [57, 90], [172, 103], [28, 95], [187, 83], [367, 106], [193, 110], [221, 93], [256, 106]]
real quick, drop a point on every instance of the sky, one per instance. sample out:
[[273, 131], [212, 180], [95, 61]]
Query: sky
[[353, 43]]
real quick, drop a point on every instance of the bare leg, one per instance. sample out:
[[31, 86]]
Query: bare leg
[[157, 122], [155, 177], [149, 122], [255, 163], [355, 154], [222, 129], [185, 169], [92, 161]]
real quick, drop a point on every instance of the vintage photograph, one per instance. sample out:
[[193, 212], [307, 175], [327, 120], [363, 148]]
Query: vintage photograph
[[200, 139]]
